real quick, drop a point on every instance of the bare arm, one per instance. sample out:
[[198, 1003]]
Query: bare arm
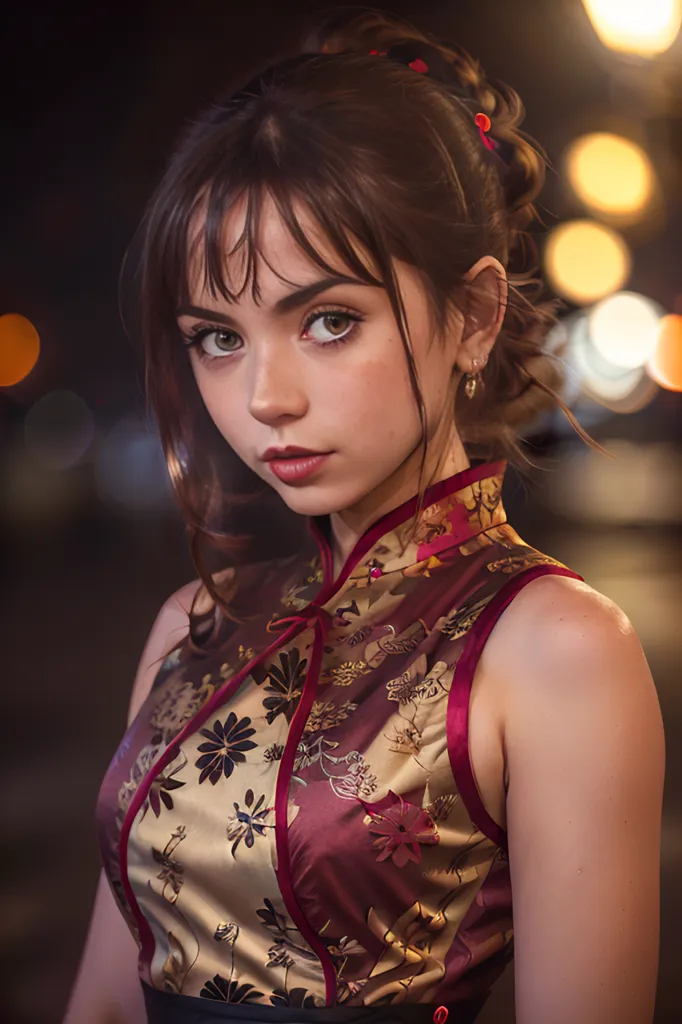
[[107, 989], [585, 757]]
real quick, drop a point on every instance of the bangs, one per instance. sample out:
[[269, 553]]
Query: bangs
[[300, 139], [191, 238], [209, 255]]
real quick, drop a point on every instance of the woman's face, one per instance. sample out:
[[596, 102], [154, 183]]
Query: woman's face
[[325, 372]]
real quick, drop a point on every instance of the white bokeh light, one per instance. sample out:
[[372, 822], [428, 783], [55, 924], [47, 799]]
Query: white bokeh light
[[624, 329], [614, 388]]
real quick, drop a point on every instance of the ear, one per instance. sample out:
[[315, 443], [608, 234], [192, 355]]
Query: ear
[[484, 311]]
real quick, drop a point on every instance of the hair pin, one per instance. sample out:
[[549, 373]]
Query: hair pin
[[417, 64], [482, 121]]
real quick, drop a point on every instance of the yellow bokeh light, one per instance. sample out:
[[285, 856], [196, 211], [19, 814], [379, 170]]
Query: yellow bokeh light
[[665, 366], [646, 28], [610, 174], [586, 261], [19, 348]]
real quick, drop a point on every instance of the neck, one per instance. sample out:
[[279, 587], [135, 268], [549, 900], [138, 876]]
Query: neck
[[349, 525]]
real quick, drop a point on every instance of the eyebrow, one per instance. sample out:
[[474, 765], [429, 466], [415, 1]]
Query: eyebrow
[[292, 300]]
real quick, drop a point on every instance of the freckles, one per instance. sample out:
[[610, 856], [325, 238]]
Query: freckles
[[375, 412], [385, 375], [365, 390]]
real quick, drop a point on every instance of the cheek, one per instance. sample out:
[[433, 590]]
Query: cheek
[[373, 397]]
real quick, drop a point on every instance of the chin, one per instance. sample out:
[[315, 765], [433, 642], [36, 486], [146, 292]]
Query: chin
[[316, 499]]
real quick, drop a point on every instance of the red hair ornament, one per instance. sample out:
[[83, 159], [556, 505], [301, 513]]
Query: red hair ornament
[[482, 121], [417, 65]]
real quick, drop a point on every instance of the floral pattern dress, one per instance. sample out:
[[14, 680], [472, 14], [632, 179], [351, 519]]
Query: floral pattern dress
[[292, 819]]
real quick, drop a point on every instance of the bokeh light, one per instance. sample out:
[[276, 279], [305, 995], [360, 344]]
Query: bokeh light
[[644, 27], [640, 486], [613, 387], [610, 174], [624, 329], [558, 343], [130, 471], [59, 429], [19, 348], [665, 365], [585, 261], [36, 497]]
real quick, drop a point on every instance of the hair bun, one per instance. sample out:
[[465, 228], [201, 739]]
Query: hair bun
[[369, 31]]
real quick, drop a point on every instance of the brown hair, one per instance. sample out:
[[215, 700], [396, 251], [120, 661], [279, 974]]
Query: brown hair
[[376, 152]]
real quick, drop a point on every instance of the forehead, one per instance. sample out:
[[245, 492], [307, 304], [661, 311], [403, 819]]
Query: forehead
[[250, 241]]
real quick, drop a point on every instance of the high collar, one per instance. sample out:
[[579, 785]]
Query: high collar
[[455, 510]]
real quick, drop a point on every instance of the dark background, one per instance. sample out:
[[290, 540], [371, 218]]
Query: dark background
[[92, 101]]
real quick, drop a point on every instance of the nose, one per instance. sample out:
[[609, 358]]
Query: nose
[[277, 390]]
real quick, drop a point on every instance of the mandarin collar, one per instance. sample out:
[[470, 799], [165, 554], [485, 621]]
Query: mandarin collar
[[455, 510]]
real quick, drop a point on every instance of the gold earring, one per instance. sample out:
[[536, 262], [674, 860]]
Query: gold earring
[[473, 378]]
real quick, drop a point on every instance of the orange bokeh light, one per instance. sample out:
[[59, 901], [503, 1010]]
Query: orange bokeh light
[[19, 348], [665, 366]]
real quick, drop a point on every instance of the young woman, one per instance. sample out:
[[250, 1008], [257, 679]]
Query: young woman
[[379, 719]]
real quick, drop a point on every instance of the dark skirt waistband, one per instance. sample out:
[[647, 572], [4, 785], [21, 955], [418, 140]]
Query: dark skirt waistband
[[167, 1008]]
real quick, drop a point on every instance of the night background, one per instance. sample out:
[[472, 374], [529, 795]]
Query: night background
[[91, 545]]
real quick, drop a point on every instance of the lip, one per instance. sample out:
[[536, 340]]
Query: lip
[[288, 452], [293, 469]]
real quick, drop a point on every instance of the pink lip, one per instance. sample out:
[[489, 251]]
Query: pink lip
[[284, 453], [297, 467]]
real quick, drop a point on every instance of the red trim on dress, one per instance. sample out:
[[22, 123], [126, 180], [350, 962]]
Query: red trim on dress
[[457, 720], [286, 768], [391, 520], [219, 697], [388, 522]]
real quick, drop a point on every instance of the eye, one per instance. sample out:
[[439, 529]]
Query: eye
[[223, 340], [213, 342], [336, 319]]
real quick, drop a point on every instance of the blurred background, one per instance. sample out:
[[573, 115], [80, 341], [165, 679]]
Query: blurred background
[[91, 544]]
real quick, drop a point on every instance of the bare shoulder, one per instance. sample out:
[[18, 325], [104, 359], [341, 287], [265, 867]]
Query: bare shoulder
[[584, 759], [180, 602], [563, 655], [553, 618], [558, 597], [170, 626], [172, 621]]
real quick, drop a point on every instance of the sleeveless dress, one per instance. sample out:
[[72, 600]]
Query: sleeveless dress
[[291, 825]]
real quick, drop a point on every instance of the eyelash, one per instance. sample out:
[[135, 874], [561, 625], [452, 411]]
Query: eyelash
[[200, 331]]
